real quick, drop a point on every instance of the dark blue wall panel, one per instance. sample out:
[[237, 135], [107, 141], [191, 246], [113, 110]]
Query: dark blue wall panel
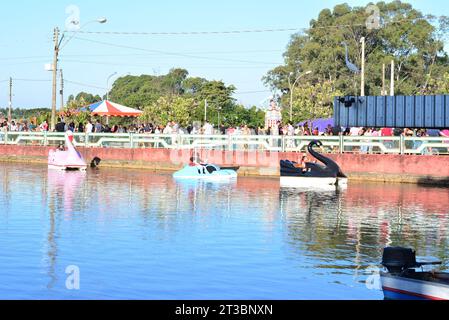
[[394, 112]]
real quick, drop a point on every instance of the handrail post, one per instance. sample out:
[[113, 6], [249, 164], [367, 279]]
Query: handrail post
[[131, 139], [6, 138], [86, 140], [45, 138], [402, 145], [342, 143]]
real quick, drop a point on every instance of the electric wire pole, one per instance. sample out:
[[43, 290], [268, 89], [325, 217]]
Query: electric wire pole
[[384, 91], [10, 101], [55, 75], [62, 89], [392, 79], [362, 91]]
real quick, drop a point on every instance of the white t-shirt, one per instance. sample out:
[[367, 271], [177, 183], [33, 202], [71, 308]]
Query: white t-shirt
[[89, 128], [208, 129], [168, 130], [355, 131]]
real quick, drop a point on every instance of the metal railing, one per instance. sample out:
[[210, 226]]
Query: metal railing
[[332, 144]]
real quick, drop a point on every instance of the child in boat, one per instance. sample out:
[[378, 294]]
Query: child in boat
[[302, 163], [61, 147]]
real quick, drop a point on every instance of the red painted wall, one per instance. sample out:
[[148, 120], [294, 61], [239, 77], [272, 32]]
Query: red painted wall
[[432, 166]]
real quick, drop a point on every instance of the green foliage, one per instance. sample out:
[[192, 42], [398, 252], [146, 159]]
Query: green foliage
[[74, 110], [312, 102], [440, 85], [85, 98], [36, 114], [177, 97], [165, 110], [412, 40]]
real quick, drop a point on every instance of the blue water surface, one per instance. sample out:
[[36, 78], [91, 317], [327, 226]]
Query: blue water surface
[[140, 235]]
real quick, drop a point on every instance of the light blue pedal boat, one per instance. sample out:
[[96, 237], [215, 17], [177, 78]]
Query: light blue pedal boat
[[206, 172]]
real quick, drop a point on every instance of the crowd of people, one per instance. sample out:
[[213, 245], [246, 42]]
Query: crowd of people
[[172, 128]]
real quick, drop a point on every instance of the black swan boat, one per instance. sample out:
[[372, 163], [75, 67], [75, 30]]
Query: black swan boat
[[312, 174]]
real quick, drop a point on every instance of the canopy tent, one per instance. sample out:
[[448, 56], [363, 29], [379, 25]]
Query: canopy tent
[[110, 109], [321, 124]]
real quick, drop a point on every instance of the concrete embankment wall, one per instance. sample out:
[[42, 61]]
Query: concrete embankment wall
[[385, 168]]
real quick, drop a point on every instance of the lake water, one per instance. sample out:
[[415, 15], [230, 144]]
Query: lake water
[[139, 235]]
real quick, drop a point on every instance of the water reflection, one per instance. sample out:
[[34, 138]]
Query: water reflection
[[355, 225], [64, 189], [176, 239]]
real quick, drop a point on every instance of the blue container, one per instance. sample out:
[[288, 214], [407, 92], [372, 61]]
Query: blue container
[[428, 112]]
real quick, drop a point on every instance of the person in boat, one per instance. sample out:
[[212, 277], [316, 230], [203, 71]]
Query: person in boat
[[302, 163], [61, 147], [196, 161]]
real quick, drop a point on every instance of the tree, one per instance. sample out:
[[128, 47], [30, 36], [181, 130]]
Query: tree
[[86, 98], [164, 110], [313, 101], [412, 40], [440, 85]]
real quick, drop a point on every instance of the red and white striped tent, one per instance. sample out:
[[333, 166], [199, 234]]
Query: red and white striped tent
[[110, 109]]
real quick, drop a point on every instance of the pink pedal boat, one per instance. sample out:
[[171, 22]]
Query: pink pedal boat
[[69, 159]]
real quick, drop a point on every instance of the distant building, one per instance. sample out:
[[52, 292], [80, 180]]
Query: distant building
[[273, 116]]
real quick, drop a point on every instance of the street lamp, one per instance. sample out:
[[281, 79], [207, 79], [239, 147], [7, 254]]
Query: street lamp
[[107, 84], [292, 88], [57, 50]]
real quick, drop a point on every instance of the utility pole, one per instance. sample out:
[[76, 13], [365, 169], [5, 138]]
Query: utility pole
[[384, 91], [10, 101], [205, 110], [62, 89], [55, 75], [392, 79], [362, 91]]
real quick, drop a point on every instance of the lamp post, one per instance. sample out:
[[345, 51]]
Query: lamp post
[[107, 85], [57, 49], [292, 88]]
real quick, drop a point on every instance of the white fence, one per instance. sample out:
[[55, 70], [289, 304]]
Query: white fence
[[342, 144]]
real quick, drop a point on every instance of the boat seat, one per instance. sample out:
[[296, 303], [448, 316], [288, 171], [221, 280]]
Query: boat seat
[[211, 169]]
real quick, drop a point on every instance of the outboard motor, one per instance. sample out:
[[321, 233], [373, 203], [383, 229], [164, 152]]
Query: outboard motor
[[398, 260]]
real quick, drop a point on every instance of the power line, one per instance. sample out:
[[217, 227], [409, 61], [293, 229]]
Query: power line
[[155, 54], [184, 33], [187, 33], [251, 92], [32, 80], [20, 58], [173, 53], [85, 84], [151, 66]]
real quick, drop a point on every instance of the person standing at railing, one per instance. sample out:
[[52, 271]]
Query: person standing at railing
[[98, 127], [14, 127], [89, 127], [365, 133], [3, 130], [445, 133], [44, 126], [60, 126], [208, 129]]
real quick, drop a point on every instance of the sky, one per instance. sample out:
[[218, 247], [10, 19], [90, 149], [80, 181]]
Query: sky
[[89, 59]]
